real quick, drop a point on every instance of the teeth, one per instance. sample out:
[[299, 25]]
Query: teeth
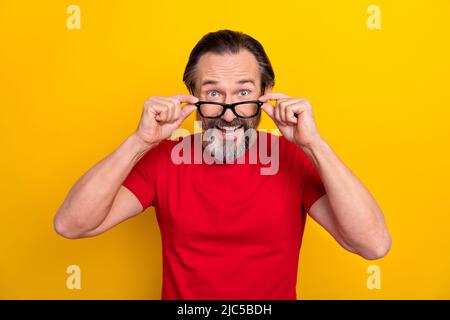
[[229, 128]]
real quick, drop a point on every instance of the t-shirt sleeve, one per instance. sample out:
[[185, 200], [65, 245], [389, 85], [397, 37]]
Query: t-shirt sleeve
[[141, 180], [313, 187]]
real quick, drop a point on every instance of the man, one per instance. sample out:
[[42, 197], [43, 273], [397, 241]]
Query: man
[[228, 231]]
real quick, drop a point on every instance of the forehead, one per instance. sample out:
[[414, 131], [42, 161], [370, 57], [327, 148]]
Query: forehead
[[227, 68]]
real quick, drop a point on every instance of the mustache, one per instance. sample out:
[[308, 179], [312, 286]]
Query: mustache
[[236, 122]]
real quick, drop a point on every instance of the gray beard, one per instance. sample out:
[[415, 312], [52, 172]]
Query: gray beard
[[226, 151]]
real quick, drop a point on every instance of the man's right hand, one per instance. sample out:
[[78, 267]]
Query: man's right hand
[[161, 116]]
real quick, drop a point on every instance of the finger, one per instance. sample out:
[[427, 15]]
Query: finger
[[161, 112], [186, 111], [269, 109], [294, 109], [273, 96], [292, 101], [161, 105], [286, 109], [186, 98], [278, 116], [169, 105], [303, 104], [175, 109], [282, 107], [173, 106], [177, 114], [292, 112]]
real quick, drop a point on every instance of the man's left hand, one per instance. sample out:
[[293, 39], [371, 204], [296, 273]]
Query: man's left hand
[[294, 117]]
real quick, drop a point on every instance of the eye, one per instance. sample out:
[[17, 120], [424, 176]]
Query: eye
[[244, 93], [212, 93]]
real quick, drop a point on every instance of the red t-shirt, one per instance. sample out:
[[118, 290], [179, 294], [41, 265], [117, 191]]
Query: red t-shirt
[[228, 231]]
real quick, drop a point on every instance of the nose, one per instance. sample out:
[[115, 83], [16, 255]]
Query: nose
[[228, 115]]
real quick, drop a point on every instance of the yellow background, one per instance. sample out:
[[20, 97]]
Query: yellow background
[[69, 97]]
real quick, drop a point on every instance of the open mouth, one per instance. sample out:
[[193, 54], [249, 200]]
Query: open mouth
[[230, 132]]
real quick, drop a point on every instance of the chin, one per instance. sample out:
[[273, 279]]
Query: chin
[[226, 151]]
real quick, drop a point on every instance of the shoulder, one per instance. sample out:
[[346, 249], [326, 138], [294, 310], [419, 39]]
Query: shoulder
[[163, 151], [158, 153]]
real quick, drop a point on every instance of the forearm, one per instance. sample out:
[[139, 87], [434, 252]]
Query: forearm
[[359, 219], [89, 201]]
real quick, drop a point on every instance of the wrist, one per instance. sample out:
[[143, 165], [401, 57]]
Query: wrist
[[314, 149], [313, 144], [138, 146]]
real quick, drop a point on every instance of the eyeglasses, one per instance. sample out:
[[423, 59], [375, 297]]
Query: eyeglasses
[[242, 109]]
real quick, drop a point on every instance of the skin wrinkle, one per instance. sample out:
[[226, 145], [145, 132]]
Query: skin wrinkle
[[227, 72]]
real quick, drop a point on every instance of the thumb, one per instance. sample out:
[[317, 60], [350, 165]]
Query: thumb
[[268, 108], [187, 110]]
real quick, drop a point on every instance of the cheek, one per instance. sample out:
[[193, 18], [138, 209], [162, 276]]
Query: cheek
[[204, 122], [253, 122], [208, 123], [248, 123]]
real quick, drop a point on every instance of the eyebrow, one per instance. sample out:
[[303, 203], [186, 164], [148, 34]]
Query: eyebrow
[[206, 82]]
